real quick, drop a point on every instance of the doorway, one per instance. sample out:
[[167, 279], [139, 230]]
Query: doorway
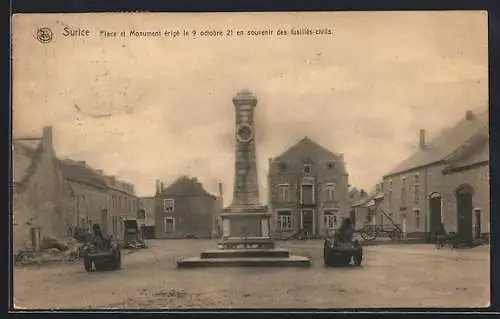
[[434, 216], [307, 221], [477, 224], [464, 213], [352, 215], [104, 220]]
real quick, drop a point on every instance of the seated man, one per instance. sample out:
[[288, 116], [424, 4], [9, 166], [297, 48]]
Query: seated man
[[343, 236], [100, 240]]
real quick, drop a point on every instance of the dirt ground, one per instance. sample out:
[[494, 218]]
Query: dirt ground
[[392, 276]]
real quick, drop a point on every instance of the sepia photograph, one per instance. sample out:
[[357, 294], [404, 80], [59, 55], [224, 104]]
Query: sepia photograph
[[285, 160]]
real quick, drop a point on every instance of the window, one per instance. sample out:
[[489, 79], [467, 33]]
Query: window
[[330, 218], [417, 218], [114, 221], [168, 205], [307, 168], [284, 192], [416, 189], [403, 189], [114, 201], [169, 225], [285, 220], [390, 192], [330, 192]]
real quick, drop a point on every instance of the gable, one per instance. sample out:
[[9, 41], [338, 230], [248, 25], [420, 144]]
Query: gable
[[185, 186], [448, 142], [305, 148]]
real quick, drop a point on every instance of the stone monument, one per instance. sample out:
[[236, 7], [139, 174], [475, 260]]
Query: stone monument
[[246, 239]]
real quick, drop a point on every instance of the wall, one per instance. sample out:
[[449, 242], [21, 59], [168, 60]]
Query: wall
[[293, 176], [478, 178], [40, 202], [148, 204], [193, 216], [86, 202], [120, 205], [433, 180]]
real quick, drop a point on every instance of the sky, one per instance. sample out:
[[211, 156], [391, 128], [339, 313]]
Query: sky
[[158, 108]]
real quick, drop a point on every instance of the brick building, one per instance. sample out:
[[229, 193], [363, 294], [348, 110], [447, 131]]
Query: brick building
[[308, 190], [445, 180], [38, 201], [184, 209]]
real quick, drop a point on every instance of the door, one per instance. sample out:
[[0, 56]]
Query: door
[[477, 224], [308, 221], [104, 220], [464, 214], [434, 215]]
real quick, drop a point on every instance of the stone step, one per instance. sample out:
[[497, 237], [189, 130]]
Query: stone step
[[245, 253], [292, 261]]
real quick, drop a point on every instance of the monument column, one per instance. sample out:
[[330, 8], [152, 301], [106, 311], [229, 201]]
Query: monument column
[[246, 217]]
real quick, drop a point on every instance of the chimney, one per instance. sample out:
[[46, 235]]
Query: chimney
[[100, 171], [341, 157], [422, 139], [47, 136], [270, 159], [157, 186], [161, 186], [220, 189], [469, 116]]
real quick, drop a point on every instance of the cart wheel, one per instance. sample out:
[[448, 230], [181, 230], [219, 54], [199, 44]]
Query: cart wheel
[[368, 234], [87, 264]]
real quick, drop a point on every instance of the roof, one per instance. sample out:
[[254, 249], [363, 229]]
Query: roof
[[185, 186], [305, 148], [438, 149], [23, 155], [81, 173], [478, 156]]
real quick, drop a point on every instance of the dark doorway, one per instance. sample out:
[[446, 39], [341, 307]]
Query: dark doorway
[[434, 216], [307, 221], [464, 213], [104, 220], [477, 224]]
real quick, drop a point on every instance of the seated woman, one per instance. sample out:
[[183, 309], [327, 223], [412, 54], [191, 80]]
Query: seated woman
[[343, 236]]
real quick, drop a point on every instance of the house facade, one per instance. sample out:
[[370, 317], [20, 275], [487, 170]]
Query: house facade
[[308, 190], [445, 181], [147, 210], [37, 190], [184, 209]]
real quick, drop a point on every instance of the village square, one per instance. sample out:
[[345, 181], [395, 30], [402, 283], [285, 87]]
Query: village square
[[422, 227], [342, 170]]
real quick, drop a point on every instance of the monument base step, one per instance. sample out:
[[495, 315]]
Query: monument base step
[[246, 243], [291, 261], [245, 253]]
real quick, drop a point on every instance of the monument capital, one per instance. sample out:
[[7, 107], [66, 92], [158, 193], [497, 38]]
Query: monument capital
[[245, 97]]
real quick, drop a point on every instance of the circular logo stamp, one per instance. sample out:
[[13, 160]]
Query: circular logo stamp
[[44, 35]]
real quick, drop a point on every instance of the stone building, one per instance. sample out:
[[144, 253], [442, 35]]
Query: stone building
[[308, 190], [147, 210], [37, 191], [184, 209], [445, 180], [122, 204], [86, 194]]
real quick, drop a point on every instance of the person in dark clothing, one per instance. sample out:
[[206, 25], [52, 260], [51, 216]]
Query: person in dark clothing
[[345, 232], [99, 239]]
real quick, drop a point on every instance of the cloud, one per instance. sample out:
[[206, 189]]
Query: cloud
[[364, 92]]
